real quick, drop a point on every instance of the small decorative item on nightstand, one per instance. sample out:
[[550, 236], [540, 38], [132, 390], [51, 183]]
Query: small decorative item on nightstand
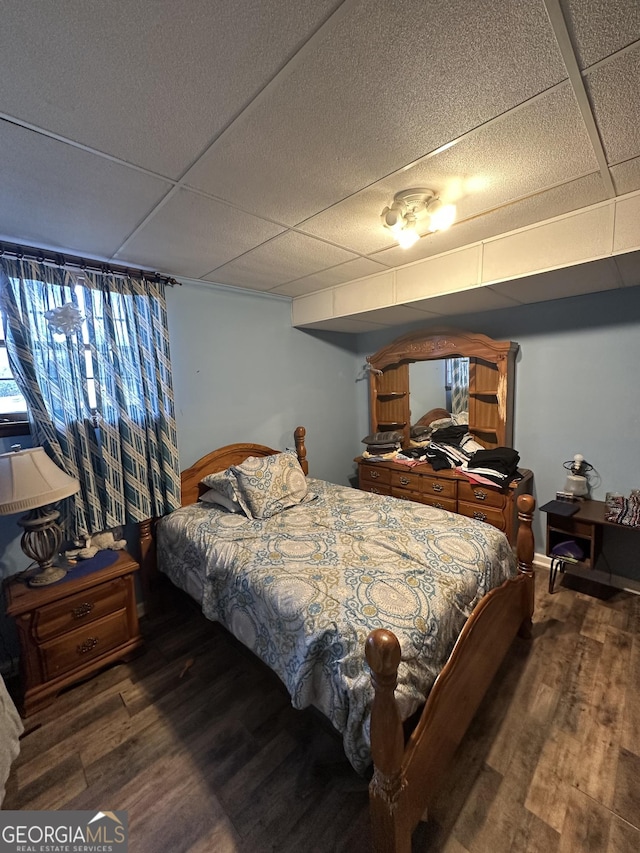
[[71, 629]]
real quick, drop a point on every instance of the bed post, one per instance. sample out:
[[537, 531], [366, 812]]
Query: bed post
[[390, 833], [147, 545], [525, 550], [301, 450]]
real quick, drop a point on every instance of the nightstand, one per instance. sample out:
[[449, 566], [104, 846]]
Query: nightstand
[[71, 629]]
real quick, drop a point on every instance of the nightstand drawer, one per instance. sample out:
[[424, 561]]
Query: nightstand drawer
[[76, 610], [78, 647], [481, 495]]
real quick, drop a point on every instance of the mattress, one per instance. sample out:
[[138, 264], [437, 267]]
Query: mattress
[[10, 730], [304, 588]]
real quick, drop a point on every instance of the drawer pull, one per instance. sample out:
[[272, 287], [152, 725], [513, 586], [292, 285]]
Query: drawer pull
[[374, 491], [374, 474], [438, 505], [404, 481], [480, 495], [479, 516], [89, 644], [437, 487], [82, 610]]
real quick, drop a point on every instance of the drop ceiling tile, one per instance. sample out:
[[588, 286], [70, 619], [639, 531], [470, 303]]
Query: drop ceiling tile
[[627, 224], [545, 205], [614, 91], [285, 258], [58, 196], [629, 268], [377, 291], [335, 122], [444, 274], [542, 144], [398, 315], [469, 301], [349, 325], [601, 27], [144, 81], [562, 242], [328, 278], [192, 234], [592, 277], [626, 176]]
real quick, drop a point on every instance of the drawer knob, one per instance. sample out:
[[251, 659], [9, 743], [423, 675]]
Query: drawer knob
[[480, 516], [82, 610], [480, 495], [374, 474], [437, 487], [89, 644], [404, 481]]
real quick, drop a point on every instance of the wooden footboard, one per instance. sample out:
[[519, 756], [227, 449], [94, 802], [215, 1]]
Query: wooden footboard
[[407, 775]]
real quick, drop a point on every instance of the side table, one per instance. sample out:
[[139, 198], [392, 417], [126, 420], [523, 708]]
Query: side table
[[71, 629]]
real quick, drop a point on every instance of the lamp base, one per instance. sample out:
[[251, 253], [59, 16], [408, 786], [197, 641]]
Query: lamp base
[[47, 576]]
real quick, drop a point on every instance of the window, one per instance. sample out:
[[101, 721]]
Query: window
[[13, 407]]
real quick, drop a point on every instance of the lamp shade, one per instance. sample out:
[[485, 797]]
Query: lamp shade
[[30, 479]]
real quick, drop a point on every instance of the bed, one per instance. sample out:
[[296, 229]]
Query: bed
[[10, 730], [315, 577]]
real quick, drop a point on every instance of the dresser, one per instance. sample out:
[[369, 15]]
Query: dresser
[[448, 490], [70, 629]]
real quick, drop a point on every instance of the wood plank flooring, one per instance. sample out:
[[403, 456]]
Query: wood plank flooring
[[198, 742]]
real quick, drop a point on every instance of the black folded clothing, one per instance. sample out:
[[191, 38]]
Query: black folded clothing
[[502, 459], [450, 434]]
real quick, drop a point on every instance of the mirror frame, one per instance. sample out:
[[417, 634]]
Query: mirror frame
[[446, 342]]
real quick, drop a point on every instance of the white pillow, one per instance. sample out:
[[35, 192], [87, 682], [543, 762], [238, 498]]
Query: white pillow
[[214, 497]]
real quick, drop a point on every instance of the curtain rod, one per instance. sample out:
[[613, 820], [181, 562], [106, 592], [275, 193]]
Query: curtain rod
[[59, 259]]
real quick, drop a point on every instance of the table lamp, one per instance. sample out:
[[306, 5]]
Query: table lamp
[[29, 479]]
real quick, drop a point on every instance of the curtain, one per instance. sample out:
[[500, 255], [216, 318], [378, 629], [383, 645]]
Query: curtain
[[100, 398], [458, 380]]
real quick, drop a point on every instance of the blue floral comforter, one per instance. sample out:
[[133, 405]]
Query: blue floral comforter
[[304, 588]]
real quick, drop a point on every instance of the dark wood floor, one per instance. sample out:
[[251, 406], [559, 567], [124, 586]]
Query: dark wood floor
[[198, 742]]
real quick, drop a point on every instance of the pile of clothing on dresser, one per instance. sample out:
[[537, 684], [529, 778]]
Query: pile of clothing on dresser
[[446, 443]]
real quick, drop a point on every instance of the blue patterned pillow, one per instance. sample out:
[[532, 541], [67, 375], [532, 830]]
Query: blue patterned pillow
[[223, 482], [268, 484]]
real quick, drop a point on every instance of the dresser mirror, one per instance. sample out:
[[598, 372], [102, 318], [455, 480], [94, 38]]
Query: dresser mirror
[[409, 379]]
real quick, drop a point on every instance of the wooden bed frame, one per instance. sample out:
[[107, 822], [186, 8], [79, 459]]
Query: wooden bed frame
[[408, 771]]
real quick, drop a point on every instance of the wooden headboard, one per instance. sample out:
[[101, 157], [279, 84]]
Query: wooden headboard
[[231, 454]]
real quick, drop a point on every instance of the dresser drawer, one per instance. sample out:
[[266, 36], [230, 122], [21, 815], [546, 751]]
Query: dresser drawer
[[439, 488], [406, 480], [490, 515], [449, 504], [78, 647], [481, 495], [376, 488], [370, 474], [72, 612]]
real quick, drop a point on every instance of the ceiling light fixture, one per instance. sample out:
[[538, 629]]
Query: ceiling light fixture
[[408, 207]]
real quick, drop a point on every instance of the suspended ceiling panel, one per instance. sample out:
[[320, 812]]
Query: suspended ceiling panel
[[255, 145]]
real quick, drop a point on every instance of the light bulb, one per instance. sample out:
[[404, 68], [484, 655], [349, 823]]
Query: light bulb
[[442, 215], [408, 237]]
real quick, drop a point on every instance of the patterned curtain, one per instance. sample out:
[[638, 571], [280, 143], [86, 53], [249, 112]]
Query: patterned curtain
[[458, 380], [100, 398]]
